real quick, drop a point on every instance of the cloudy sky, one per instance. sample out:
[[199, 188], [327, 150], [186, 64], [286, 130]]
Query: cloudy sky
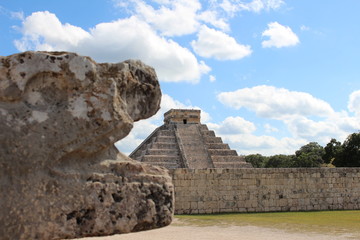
[[269, 75]]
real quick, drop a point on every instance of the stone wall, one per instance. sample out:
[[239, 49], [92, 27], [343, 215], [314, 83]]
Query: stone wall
[[200, 191]]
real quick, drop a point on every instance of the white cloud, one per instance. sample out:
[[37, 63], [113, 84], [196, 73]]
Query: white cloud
[[216, 44], [233, 125], [17, 15], [181, 17], [246, 144], [307, 118], [231, 7], [163, 1], [239, 134], [346, 123], [280, 36], [259, 5], [306, 128], [275, 103], [172, 62], [212, 18], [44, 29], [113, 42], [338, 125], [270, 129], [304, 28], [11, 14], [354, 102], [274, 4], [175, 18], [212, 78]]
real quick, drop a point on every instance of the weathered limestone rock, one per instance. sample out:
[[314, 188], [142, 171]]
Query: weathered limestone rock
[[60, 174]]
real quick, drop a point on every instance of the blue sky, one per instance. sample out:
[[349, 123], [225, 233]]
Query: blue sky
[[269, 75]]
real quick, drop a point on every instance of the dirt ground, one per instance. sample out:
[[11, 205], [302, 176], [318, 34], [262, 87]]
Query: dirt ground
[[178, 231]]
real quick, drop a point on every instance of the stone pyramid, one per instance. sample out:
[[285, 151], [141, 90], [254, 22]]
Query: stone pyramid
[[183, 142]]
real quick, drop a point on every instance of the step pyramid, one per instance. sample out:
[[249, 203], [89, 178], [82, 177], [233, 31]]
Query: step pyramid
[[183, 142]]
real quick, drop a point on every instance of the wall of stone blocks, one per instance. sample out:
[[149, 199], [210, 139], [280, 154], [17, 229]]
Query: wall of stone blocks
[[199, 191]]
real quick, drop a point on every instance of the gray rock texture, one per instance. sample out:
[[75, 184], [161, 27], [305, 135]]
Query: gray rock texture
[[60, 174]]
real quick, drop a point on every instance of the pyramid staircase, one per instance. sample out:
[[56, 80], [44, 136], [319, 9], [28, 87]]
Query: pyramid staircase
[[191, 142], [160, 148]]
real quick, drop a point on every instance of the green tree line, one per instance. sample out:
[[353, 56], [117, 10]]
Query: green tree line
[[334, 154]]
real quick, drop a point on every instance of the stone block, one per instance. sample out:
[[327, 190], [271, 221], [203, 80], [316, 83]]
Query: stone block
[[61, 175], [193, 205]]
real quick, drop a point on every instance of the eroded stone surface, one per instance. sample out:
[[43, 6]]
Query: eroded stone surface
[[60, 174]]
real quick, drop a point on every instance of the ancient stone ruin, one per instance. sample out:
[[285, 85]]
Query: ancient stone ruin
[[60, 174], [183, 142], [210, 178]]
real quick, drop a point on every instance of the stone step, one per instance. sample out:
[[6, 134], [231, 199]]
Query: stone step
[[158, 145], [222, 152], [186, 139], [166, 164], [167, 152], [160, 158], [186, 130], [219, 159], [166, 133], [165, 139], [187, 134], [213, 140], [203, 127], [197, 158], [208, 133], [191, 146], [196, 155], [138, 155], [232, 165], [217, 146]]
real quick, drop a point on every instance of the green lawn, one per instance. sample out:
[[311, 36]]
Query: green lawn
[[333, 222]]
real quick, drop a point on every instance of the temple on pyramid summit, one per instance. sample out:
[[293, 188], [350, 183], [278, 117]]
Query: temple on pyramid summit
[[183, 142]]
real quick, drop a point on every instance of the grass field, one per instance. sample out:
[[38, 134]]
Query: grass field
[[329, 222]]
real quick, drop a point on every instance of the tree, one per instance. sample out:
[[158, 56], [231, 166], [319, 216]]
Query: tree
[[309, 155], [257, 160], [280, 161], [307, 160], [349, 156], [332, 149]]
